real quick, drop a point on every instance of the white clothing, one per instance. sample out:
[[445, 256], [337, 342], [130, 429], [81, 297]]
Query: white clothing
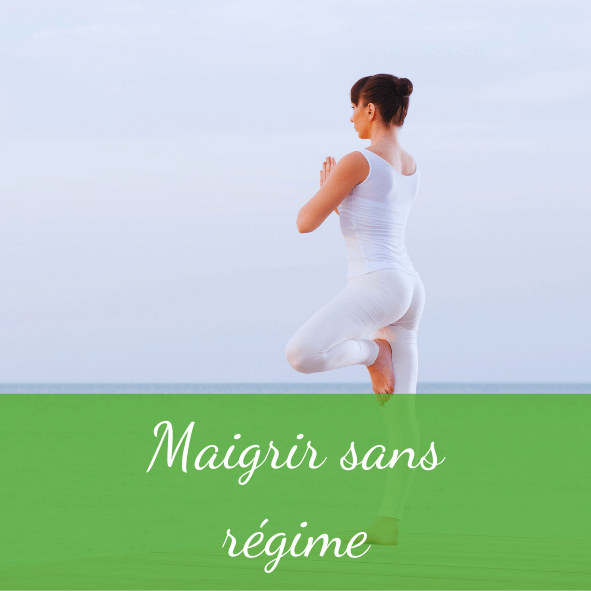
[[384, 304], [403, 433], [383, 298], [373, 218]]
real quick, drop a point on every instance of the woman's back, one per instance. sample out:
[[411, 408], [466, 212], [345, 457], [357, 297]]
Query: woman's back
[[373, 218], [399, 160]]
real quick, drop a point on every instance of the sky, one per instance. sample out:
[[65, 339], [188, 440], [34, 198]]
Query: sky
[[154, 156]]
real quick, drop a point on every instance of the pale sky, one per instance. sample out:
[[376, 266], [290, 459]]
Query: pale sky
[[155, 155]]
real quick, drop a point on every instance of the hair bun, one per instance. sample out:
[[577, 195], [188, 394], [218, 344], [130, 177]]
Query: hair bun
[[404, 86], [386, 92]]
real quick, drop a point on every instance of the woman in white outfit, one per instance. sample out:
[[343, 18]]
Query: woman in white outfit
[[374, 320]]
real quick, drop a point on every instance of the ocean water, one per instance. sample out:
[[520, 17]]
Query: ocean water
[[292, 388]]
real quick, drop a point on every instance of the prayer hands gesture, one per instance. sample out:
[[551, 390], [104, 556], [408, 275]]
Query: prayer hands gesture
[[327, 166]]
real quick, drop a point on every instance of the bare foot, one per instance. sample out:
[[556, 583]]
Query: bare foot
[[383, 532], [382, 375]]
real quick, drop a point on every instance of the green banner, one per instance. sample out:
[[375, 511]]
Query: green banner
[[277, 491]]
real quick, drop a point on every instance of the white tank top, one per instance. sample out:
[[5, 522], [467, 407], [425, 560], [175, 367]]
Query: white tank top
[[373, 218]]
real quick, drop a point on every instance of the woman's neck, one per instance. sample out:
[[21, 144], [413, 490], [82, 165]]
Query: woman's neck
[[386, 137]]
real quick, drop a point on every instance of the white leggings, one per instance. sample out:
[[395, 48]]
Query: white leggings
[[385, 304]]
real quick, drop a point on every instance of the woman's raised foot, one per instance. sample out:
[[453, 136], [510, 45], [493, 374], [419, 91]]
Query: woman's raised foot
[[381, 372]]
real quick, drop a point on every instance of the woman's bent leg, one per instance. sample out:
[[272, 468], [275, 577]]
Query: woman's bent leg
[[333, 337]]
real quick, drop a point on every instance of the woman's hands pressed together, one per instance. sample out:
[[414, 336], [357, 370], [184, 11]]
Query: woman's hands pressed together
[[327, 166], [337, 180]]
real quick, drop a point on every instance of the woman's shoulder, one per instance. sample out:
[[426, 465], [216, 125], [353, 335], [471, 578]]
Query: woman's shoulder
[[356, 165], [410, 165], [353, 158]]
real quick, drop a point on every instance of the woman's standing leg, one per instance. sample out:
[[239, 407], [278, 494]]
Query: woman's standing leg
[[333, 338], [402, 336], [403, 433], [399, 416]]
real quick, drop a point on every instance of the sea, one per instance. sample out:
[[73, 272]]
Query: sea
[[291, 388]]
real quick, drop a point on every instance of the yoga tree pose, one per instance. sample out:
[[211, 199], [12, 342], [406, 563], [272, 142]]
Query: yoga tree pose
[[374, 320]]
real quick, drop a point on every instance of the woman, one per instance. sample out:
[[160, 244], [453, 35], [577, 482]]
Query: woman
[[374, 320]]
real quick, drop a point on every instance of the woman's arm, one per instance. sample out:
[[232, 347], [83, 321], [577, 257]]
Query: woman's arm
[[336, 182]]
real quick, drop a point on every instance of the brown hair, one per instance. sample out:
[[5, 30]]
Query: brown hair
[[388, 93]]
